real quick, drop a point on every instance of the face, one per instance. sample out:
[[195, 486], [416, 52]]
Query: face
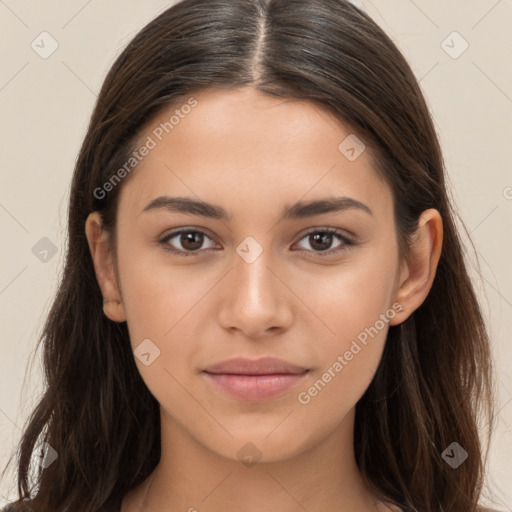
[[315, 288]]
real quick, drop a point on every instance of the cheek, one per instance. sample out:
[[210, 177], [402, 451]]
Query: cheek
[[158, 299], [354, 305], [162, 305], [350, 298], [349, 359]]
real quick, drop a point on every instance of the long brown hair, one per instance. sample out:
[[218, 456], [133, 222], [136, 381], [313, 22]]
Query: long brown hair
[[433, 385]]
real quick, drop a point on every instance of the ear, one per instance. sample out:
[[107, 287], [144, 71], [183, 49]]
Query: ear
[[97, 239], [418, 274]]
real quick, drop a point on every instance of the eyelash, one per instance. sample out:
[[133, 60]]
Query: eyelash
[[347, 243]]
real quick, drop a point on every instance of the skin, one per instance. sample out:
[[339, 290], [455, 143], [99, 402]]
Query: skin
[[254, 154]]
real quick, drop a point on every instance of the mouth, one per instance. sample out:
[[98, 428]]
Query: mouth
[[262, 379]]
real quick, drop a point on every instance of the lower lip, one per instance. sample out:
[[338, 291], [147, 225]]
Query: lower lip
[[255, 387]]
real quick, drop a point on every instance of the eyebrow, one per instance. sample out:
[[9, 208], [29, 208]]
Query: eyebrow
[[299, 210]]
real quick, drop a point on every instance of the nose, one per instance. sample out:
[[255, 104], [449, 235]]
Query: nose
[[255, 301]]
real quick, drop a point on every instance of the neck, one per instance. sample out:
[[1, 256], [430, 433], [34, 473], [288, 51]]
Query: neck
[[191, 477]]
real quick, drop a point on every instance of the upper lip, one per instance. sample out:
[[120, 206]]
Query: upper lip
[[262, 366]]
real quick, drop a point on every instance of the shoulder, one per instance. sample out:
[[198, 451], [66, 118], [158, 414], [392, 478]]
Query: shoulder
[[25, 507], [17, 506], [10, 507]]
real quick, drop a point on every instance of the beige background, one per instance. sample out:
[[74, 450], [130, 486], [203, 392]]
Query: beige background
[[45, 106]]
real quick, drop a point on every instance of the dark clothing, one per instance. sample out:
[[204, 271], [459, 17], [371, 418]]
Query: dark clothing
[[17, 507]]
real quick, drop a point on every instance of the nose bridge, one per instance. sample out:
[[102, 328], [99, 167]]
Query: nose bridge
[[253, 278], [255, 300]]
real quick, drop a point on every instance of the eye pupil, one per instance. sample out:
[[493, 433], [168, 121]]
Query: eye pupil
[[187, 240], [325, 240]]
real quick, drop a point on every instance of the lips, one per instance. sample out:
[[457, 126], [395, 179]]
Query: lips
[[262, 379], [263, 366]]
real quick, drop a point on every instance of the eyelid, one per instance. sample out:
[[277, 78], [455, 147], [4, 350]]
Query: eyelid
[[327, 229]]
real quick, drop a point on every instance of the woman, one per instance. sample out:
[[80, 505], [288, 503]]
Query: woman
[[265, 303]]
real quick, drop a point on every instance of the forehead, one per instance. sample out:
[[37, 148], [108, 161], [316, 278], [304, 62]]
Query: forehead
[[244, 149]]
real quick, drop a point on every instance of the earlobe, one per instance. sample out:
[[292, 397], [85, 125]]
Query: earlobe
[[425, 252], [97, 239], [114, 310]]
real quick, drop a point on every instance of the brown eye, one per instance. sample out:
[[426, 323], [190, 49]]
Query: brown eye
[[188, 242], [320, 241], [191, 241]]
